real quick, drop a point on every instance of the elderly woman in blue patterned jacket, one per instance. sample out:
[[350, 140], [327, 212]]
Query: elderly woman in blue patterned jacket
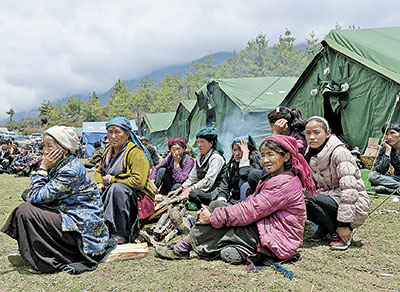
[[61, 224]]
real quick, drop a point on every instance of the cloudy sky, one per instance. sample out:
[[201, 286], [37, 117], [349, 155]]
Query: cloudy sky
[[52, 49]]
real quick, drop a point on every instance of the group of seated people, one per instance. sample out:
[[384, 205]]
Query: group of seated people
[[257, 203], [16, 160]]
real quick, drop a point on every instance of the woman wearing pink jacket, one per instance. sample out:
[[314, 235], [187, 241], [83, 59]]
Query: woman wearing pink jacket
[[270, 222]]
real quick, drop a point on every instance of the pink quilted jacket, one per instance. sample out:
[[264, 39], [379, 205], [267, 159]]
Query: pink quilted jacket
[[278, 209]]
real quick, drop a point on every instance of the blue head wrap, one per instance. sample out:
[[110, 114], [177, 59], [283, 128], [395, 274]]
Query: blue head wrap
[[210, 134], [125, 124]]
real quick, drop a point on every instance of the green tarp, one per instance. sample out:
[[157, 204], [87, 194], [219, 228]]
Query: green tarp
[[237, 107], [180, 124], [155, 128], [353, 82]]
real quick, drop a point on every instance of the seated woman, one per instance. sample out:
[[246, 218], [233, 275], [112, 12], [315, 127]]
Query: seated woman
[[288, 122], [270, 221], [283, 121], [170, 173], [20, 161], [206, 175], [94, 161], [343, 203], [62, 220], [123, 181], [388, 155], [245, 158]]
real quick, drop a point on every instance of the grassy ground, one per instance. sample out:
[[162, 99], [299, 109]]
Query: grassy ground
[[374, 253]]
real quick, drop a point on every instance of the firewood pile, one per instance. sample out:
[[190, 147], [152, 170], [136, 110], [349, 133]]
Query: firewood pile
[[166, 222]]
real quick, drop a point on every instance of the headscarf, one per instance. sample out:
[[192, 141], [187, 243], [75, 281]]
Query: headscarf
[[248, 138], [65, 136], [299, 164], [178, 141], [125, 124], [209, 133]]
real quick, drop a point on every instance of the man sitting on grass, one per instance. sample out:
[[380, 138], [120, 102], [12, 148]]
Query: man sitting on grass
[[389, 154]]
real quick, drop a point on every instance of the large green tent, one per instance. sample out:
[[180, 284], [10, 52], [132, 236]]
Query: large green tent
[[238, 107], [155, 128], [353, 82], [180, 124]]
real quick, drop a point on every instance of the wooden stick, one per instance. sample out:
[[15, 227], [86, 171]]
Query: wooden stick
[[128, 251]]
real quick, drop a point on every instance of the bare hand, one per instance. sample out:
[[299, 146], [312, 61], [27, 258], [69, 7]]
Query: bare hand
[[154, 187], [279, 127], [203, 216], [107, 179], [185, 193], [100, 187], [344, 233], [388, 147], [51, 159], [245, 148], [174, 193]]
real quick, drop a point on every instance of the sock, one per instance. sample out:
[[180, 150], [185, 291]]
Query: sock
[[183, 246]]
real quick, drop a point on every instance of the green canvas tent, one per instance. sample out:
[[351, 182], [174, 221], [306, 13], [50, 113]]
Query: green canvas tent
[[180, 124], [155, 128], [353, 82], [238, 107]]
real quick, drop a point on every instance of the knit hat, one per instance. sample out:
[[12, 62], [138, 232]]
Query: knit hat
[[65, 136]]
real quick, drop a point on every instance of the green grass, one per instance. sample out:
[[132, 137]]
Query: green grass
[[375, 251]]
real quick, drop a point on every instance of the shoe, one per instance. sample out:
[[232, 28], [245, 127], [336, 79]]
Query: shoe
[[16, 259], [231, 255], [319, 235], [338, 244], [118, 239], [169, 253], [180, 223], [383, 190]]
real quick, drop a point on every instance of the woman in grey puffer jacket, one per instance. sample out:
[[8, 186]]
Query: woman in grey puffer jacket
[[343, 203]]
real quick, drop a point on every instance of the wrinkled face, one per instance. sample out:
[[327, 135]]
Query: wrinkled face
[[177, 151], [237, 152], [49, 145], [392, 137], [204, 145], [273, 161], [316, 134], [117, 136]]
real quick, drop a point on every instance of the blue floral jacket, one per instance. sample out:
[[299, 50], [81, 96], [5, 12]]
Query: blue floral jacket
[[73, 192]]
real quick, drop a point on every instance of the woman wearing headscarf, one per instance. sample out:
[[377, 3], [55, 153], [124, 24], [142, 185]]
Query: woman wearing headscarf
[[123, 181], [269, 222], [170, 173], [62, 221], [245, 158], [206, 175]]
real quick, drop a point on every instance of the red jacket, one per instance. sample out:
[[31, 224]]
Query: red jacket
[[277, 207]]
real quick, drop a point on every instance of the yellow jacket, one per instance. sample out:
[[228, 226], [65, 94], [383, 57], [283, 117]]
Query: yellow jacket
[[137, 170]]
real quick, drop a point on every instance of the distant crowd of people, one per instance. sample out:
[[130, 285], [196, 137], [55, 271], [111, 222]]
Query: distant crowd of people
[[250, 208]]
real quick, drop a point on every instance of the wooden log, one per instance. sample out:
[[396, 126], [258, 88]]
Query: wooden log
[[159, 212], [127, 252], [148, 238], [171, 235]]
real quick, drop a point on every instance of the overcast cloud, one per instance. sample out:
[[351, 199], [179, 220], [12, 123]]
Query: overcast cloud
[[52, 49]]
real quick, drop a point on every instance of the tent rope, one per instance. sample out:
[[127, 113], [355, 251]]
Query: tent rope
[[261, 93]]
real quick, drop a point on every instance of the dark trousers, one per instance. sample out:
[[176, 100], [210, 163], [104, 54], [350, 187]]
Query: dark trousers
[[322, 210], [254, 177], [200, 197], [165, 180]]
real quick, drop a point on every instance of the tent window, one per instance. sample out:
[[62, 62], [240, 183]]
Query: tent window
[[211, 118]]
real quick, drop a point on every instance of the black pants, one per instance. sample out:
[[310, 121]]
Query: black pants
[[200, 197], [254, 177], [165, 180], [322, 210]]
